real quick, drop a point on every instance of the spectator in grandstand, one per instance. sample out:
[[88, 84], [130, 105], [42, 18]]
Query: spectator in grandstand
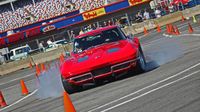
[[27, 12], [146, 15]]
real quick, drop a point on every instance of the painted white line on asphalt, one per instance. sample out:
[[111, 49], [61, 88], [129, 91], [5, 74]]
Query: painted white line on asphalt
[[17, 79], [145, 87], [166, 35], [190, 35], [18, 101], [134, 98]]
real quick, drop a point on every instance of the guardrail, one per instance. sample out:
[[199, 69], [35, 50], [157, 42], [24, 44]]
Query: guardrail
[[135, 28]]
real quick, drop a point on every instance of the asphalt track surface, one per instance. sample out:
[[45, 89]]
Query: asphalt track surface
[[174, 86]]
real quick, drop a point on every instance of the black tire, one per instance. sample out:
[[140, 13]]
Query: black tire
[[70, 88], [141, 62]]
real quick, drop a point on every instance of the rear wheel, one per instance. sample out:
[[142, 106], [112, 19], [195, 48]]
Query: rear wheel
[[70, 88]]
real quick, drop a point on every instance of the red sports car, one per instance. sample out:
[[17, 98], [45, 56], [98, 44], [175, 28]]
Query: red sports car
[[100, 54]]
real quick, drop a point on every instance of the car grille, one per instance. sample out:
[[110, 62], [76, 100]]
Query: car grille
[[101, 71], [120, 66], [83, 77]]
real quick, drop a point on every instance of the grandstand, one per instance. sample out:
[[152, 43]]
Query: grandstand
[[18, 13]]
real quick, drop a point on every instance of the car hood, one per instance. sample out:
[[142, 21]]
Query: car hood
[[102, 55]]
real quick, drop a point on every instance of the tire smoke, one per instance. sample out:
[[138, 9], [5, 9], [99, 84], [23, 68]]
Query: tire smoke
[[49, 84], [162, 51]]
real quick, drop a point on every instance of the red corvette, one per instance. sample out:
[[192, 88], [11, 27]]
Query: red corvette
[[99, 54]]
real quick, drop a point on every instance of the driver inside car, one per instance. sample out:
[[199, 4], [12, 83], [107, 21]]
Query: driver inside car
[[78, 48]]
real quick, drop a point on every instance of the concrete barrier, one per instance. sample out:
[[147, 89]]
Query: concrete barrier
[[47, 56], [14, 66], [35, 59], [139, 27]]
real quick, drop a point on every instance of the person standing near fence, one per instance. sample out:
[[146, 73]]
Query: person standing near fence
[[157, 13], [41, 46], [146, 15]]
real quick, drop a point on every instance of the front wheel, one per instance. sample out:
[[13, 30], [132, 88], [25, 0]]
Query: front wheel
[[70, 88], [141, 62]]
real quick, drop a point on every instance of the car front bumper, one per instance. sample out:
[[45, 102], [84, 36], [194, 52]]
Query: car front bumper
[[103, 72]]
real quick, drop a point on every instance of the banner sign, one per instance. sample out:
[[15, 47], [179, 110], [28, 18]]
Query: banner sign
[[180, 1], [14, 37], [116, 6], [2, 41], [135, 2], [94, 13], [49, 28], [33, 31]]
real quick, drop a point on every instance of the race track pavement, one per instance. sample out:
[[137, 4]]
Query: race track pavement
[[172, 86]]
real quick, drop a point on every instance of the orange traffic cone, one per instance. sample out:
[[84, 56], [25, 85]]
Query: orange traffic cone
[[23, 87], [171, 29], [168, 29], [43, 68], [145, 31], [182, 18], [177, 31], [68, 106], [190, 29], [2, 100], [158, 29], [37, 70]]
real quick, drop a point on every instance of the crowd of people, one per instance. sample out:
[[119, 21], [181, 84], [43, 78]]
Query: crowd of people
[[156, 12], [26, 12]]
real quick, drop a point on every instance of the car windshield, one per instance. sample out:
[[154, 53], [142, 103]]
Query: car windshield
[[88, 42]]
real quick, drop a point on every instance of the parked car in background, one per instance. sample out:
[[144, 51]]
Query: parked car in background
[[60, 42], [20, 52], [55, 45], [2, 59]]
